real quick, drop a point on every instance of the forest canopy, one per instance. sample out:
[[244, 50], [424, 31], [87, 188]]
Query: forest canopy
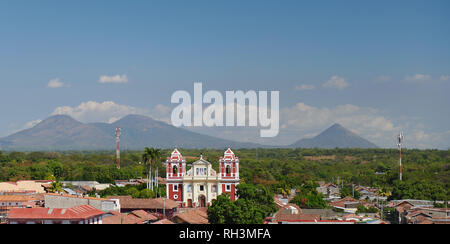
[[426, 173]]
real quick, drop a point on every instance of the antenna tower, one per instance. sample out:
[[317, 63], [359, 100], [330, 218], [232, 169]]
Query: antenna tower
[[118, 146], [400, 141]]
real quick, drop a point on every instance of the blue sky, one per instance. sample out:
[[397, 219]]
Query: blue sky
[[387, 63]]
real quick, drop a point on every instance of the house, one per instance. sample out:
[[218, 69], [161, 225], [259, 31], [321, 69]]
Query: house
[[132, 182], [115, 217], [192, 216], [84, 214], [369, 193], [34, 186], [151, 205], [54, 200], [291, 214], [426, 216], [146, 217], [86, 186], [347, 204], [325, 214], [404, 207], [329, 190], [8, 202]]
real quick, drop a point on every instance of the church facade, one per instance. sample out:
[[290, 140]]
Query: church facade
[[201, 184]]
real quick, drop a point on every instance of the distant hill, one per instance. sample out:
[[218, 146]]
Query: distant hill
[[335, 137], [61, 132]]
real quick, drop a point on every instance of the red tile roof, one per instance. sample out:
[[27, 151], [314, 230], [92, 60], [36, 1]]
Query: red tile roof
[[194, 216], [75, 213], [121, 218], [143, 215], [163, 221], [15, 198]]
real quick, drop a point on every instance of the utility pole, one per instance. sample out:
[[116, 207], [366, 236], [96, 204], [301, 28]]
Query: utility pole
[[156, 182], [400, 140], [118, 146], [353, 190]]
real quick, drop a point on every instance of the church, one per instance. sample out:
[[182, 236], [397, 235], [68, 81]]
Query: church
[[201, 184]]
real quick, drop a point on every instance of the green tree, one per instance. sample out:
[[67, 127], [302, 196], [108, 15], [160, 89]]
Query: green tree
[[146, 193], [220, 210], [56, 187]]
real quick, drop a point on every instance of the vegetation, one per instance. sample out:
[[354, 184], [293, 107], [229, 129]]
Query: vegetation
[[253, 205], [363, 209], [426, 173], [139, 191], [308, 197]]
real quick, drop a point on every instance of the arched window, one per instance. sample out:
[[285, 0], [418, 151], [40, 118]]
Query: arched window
[[175, 169], [228, 169]]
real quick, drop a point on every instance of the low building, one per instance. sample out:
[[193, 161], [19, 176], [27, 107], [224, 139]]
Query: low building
[[151, 205], [325, 214], [53, 200], [8, 202], [86, 185], [34, 186], [418, 215], [146, 217], [120, 218], [131, 182], [291, 214], [192, 216], [77, 215], [329, 190], [347, 204]]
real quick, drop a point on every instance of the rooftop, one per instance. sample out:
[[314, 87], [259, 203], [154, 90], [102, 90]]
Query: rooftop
[[75, 213]]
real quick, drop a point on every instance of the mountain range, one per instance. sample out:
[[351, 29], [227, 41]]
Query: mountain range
[[62, 132]]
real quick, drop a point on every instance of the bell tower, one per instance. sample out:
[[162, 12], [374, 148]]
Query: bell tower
[[175, 170], [229, 173]]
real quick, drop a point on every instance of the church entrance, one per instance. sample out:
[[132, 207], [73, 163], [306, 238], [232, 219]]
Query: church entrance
[[202, 201]]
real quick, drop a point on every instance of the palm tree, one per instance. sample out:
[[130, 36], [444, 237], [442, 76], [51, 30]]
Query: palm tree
[[151, 156]]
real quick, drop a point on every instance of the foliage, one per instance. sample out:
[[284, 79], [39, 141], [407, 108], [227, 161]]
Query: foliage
[[426, 173], [253, 205], [56, 187], [363, 209], [139, 191], [418, 190], [347, 190], [308, 197]]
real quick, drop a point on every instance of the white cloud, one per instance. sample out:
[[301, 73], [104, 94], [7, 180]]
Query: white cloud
[[417, 138], [113, 79], [305, 87], [418, 78], [445, 77], [31, 124], [109, 112], [55, 83], [336, 82]]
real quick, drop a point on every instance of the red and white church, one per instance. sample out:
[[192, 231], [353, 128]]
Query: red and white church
[[201, 184]]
